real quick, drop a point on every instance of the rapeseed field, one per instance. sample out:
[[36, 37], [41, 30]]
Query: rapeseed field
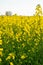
[[21, 40]]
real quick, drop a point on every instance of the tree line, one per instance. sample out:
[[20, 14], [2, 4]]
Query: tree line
[[38, 11]]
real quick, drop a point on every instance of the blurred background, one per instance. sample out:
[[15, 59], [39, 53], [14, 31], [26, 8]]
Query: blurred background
[[20, 7]]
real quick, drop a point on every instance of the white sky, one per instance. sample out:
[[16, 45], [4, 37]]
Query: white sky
[[20, 7]]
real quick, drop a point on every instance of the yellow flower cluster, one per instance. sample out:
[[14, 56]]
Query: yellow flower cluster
[[20, 38], [11, 55]]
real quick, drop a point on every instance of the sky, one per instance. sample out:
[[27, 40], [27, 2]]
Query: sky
[[19, 7]]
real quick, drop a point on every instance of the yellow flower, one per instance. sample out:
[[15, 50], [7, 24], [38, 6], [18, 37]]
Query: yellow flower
[[8, 57], [11, 63], [0, 32], [0, 42], [23, 57], [1, 49], [12, 55]]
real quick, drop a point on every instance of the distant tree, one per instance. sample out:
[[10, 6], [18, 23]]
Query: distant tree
[[15, 14], [8, 13], [38, 10]]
